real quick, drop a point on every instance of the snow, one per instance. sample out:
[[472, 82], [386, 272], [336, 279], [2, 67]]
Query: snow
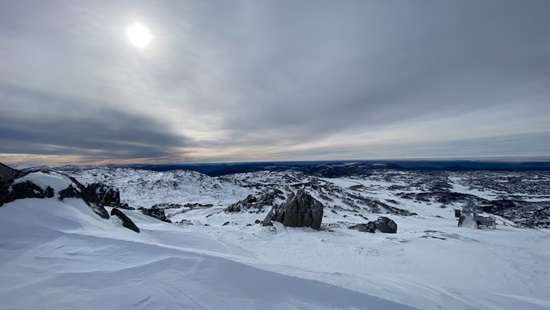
[[58, 255], [469, 269], [61, 255], [143, 188], [44, 179], [458, 187]]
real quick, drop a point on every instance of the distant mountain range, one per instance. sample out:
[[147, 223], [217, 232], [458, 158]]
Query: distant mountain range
[[345, 168]]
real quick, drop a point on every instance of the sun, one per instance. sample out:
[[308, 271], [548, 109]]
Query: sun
[[139, 35]]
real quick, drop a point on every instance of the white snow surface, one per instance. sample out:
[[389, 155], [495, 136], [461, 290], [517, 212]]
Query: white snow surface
[[61, 255], [43, 179], [144, 188]]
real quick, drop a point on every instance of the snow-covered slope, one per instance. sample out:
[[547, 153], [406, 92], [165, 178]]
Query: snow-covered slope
[[56, 255], [213, 259], [143, 188]]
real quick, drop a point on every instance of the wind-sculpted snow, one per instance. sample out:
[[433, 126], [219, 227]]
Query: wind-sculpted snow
[[58, 255], [216, 254]]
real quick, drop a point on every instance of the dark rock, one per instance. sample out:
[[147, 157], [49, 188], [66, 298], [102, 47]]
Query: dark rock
[[257, 221], [386, 225], [87, 197], [8, 174], [126, 221], [256, 202], [300, 210], [101, 194], [382, 224], [365, 227], [49, 192], [69, 192], [156, 212], [23, 190], [226, 223], [100, 210]]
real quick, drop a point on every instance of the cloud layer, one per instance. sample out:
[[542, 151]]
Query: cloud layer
[[261, 80]]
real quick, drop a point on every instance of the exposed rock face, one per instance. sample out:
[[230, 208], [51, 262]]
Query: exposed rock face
[[69, 192], [256, 202], [7, 174], [382, 224], [156, 212], [101, 194], [300, 210], [23, 190], [88, 196], [126, 221]]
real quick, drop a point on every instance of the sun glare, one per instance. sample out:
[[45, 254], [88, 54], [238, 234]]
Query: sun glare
[[139, 35]]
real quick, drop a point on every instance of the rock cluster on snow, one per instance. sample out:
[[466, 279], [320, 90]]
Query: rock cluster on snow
[[300, 210], [95, 195], [257, 202], [10, 192], [156, 212], [382, 224], [46, 183], [99, 193]]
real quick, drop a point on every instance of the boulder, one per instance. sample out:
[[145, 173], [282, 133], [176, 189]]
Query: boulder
[[382, 224], [365, 227], [126, 221], [386, 225], [300, 210]]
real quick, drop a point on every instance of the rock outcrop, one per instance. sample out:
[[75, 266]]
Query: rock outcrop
[[101, 194], [257, 202], [156, 212], [382, 224], [7, 174], [22, 190], [88, 195], [126, 221], [300, 210]]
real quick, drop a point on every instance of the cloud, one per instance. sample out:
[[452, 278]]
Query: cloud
[[264, 79], [43, 124]]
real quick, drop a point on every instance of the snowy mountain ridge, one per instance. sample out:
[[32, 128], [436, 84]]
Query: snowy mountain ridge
[[217, 242]]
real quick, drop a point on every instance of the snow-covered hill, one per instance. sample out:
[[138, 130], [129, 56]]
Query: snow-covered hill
[[60, 255], [210, 258], [143, 188]]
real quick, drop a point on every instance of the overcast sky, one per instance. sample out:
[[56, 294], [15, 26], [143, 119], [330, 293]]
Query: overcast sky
[[273, 80]]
